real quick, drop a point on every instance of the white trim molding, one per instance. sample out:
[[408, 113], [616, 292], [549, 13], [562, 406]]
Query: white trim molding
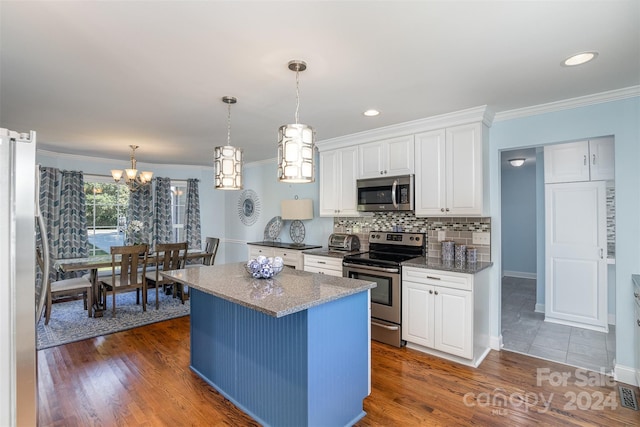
[[566, 104], [496, 342], [625, 374]]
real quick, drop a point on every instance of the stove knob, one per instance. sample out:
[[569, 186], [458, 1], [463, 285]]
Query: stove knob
[[417, 238], [411, 238]]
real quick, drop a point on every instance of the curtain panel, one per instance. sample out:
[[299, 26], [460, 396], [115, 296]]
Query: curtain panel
[[140, 209], [163, 225], [192, 215], [62, 203]]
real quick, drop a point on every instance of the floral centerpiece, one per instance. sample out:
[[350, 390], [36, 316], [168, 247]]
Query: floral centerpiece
[[264, 268], [134, 232]]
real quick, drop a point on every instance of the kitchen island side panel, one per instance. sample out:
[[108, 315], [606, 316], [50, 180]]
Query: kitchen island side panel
[[305, 369]]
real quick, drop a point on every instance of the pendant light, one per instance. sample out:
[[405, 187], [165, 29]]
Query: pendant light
[[296, 142], [228, 159]]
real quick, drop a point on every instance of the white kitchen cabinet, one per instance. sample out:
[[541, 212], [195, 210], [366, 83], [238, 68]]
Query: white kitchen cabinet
[[323, 265], [576, 254], [449, 176], [591, 160], [290, 257], [446, 313], [390, 157], [338, 174]]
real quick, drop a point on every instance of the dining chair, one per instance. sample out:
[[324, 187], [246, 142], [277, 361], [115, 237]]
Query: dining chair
[[66, 287], [170, 256], [210, 251], [128, 271]]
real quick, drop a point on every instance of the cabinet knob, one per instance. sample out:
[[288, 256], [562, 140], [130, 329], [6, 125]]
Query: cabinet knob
[[638, 322], [435, 292], [635, 294], [430, 291], [447, 209], [381, 172], [441, 209]]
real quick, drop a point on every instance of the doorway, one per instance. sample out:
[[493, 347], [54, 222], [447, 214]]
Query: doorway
[[524, 329]]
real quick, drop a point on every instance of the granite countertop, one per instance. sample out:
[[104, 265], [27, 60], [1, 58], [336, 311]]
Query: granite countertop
[[331, 254], [274, 244], [438, 264], [289, 292]]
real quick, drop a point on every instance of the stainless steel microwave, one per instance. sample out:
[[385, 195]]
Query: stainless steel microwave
[[385, 194]]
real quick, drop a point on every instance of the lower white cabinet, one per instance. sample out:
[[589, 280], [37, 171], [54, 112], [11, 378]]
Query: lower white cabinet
[[323, 265], [446, 313], [290, 257]]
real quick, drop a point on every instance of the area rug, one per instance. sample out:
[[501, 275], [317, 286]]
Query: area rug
[[69, 321]]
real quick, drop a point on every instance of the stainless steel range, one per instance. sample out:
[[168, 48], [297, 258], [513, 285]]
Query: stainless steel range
[[382, 265]]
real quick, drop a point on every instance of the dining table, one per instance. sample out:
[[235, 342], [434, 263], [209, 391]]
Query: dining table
[[94, 263]]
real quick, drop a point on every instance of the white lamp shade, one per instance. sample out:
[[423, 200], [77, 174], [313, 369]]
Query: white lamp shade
[[297, 209], [516, 162], [295, 153], [227, 164], [116, 174]]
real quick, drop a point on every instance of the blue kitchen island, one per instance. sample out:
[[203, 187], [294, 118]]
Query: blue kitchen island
[[289, 351]]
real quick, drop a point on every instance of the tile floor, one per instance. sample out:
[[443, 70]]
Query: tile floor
[[525, 331]]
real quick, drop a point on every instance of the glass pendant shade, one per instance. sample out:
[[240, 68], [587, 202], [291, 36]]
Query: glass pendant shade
[[295, 153], [228, 167]]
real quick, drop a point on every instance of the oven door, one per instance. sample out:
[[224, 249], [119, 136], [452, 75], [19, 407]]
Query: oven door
[[385, 298]]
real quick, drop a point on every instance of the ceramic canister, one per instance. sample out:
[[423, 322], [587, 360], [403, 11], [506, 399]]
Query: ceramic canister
[[447, 250], [472, 255], [461, 253]]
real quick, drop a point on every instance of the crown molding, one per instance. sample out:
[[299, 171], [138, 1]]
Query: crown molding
[[566, 104], [470, 115]]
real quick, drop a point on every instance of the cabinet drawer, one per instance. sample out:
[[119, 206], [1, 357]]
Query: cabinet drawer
[[438, 278], [323, 262], [289, 257], [323, 271], [256, 251]]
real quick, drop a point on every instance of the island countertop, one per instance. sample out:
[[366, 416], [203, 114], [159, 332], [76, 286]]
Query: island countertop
[[288, 292]]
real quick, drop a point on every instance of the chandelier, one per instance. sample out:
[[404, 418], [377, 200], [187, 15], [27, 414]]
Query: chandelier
[[227, 159], [295, 142], [131, 177]]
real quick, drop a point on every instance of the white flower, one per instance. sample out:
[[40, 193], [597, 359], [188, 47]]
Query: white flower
[[134, 227]]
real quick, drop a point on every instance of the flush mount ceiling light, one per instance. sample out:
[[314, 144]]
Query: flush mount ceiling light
[[131, 178], [579, 58], [371, 113], [516, 163], [227, 159], [296, 142]]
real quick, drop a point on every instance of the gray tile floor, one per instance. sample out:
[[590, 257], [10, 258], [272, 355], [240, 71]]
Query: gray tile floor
[[525, 331]]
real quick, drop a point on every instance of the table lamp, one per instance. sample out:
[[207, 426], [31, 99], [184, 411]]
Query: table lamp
[[297, 210]]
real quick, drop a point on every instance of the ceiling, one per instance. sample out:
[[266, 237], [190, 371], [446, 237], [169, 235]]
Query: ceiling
[[93, 77]]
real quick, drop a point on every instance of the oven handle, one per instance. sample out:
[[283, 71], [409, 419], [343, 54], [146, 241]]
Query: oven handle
[[370, 267], [393, 193], [389, 328]]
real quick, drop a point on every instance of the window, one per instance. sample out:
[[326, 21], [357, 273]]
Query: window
[[106, 208], [178, 209]]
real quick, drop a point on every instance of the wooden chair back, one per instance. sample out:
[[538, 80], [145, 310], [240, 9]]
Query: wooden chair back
[[133, 264], [172, 256], [211, 248]]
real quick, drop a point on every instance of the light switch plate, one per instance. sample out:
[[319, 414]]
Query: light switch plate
[[482, 238], [442, 235]]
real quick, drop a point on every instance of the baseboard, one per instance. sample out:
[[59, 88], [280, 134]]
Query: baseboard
[[495, 343], [519, 274], [539, 308], [611, 319], [625, 374]]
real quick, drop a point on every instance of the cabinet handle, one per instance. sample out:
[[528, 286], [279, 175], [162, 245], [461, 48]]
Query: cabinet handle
[[433, 278], [584, 161], [635, 294], [447, 209], [601, 253], [430, 291], [389, 328], [321, 262], [435, 292], [594, 159], [441, 209], [381, 172], [638, 322]]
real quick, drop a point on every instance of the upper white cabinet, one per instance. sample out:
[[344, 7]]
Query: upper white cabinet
[[591, 160], [389, 157], [449, 176], [338, 174]]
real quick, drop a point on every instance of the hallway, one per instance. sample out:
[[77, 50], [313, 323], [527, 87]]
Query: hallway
[[525, 331]]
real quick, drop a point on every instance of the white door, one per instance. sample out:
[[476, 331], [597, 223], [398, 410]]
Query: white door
[[371, 160], [576, 254], [453, 321], [400, 155], [566, 162], [329, 200], [430, 176], [346, 190], [464, 170], [417, 313], [601, 157]]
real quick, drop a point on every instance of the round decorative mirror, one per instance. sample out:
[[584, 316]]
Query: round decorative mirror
[[248, 207]]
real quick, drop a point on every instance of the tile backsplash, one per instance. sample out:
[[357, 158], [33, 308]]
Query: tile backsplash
[[460, 230]]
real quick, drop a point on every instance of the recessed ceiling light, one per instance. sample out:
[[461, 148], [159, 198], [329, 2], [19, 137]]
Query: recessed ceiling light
[[579, 59], [371, 113]]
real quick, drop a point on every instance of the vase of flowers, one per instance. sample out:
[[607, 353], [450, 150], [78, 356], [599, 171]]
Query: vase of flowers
[[134, 232]]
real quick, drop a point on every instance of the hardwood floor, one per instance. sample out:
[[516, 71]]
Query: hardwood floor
[[142, 377]]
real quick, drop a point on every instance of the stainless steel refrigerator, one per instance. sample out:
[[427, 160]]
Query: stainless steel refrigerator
[[18, 306]]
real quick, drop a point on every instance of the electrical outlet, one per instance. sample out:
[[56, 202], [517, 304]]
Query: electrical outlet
[[441, 235], [482, 238]]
